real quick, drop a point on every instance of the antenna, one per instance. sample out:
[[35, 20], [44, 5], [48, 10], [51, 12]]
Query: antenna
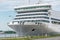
[[39, 1], [28, 1]]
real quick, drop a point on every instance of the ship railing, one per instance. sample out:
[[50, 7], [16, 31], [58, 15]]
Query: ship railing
[[13, 23], [24, 23]]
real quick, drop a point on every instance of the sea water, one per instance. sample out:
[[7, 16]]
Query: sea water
[[8, 35]]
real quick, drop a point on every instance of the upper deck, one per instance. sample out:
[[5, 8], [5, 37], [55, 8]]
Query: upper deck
[[32, 6], [46, 4]]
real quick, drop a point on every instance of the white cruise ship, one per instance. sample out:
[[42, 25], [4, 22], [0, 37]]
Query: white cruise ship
[[35, 20]]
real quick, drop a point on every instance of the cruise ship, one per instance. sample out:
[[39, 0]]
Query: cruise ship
[[34, 20]]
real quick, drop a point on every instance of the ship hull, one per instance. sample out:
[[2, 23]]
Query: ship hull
[[32, 30]]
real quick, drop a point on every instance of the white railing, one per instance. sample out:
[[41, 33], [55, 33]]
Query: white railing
[[12, 23]]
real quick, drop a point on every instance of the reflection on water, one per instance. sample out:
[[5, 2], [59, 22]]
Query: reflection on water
[[8, 35]]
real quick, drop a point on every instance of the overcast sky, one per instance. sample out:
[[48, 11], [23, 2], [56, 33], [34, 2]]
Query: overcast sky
[[7, 9]]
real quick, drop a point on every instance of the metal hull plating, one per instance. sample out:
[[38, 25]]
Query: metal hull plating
[[24, 30]]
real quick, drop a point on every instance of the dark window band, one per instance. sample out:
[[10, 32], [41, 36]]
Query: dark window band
[[55, 19], [32, 7], [33, 11], [55, 22], [31, 17], [32, 14], [35, 21]]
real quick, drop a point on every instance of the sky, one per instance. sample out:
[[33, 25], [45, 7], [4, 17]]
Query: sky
[[7, 12]]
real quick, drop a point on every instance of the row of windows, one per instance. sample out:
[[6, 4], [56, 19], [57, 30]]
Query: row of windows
[[33, 11], [32, 7], [32, 14], [35, 21], [38, 17], [32, 17], [55, 19], [55, 22]]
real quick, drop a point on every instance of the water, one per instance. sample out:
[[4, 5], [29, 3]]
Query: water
[[8, 35]]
